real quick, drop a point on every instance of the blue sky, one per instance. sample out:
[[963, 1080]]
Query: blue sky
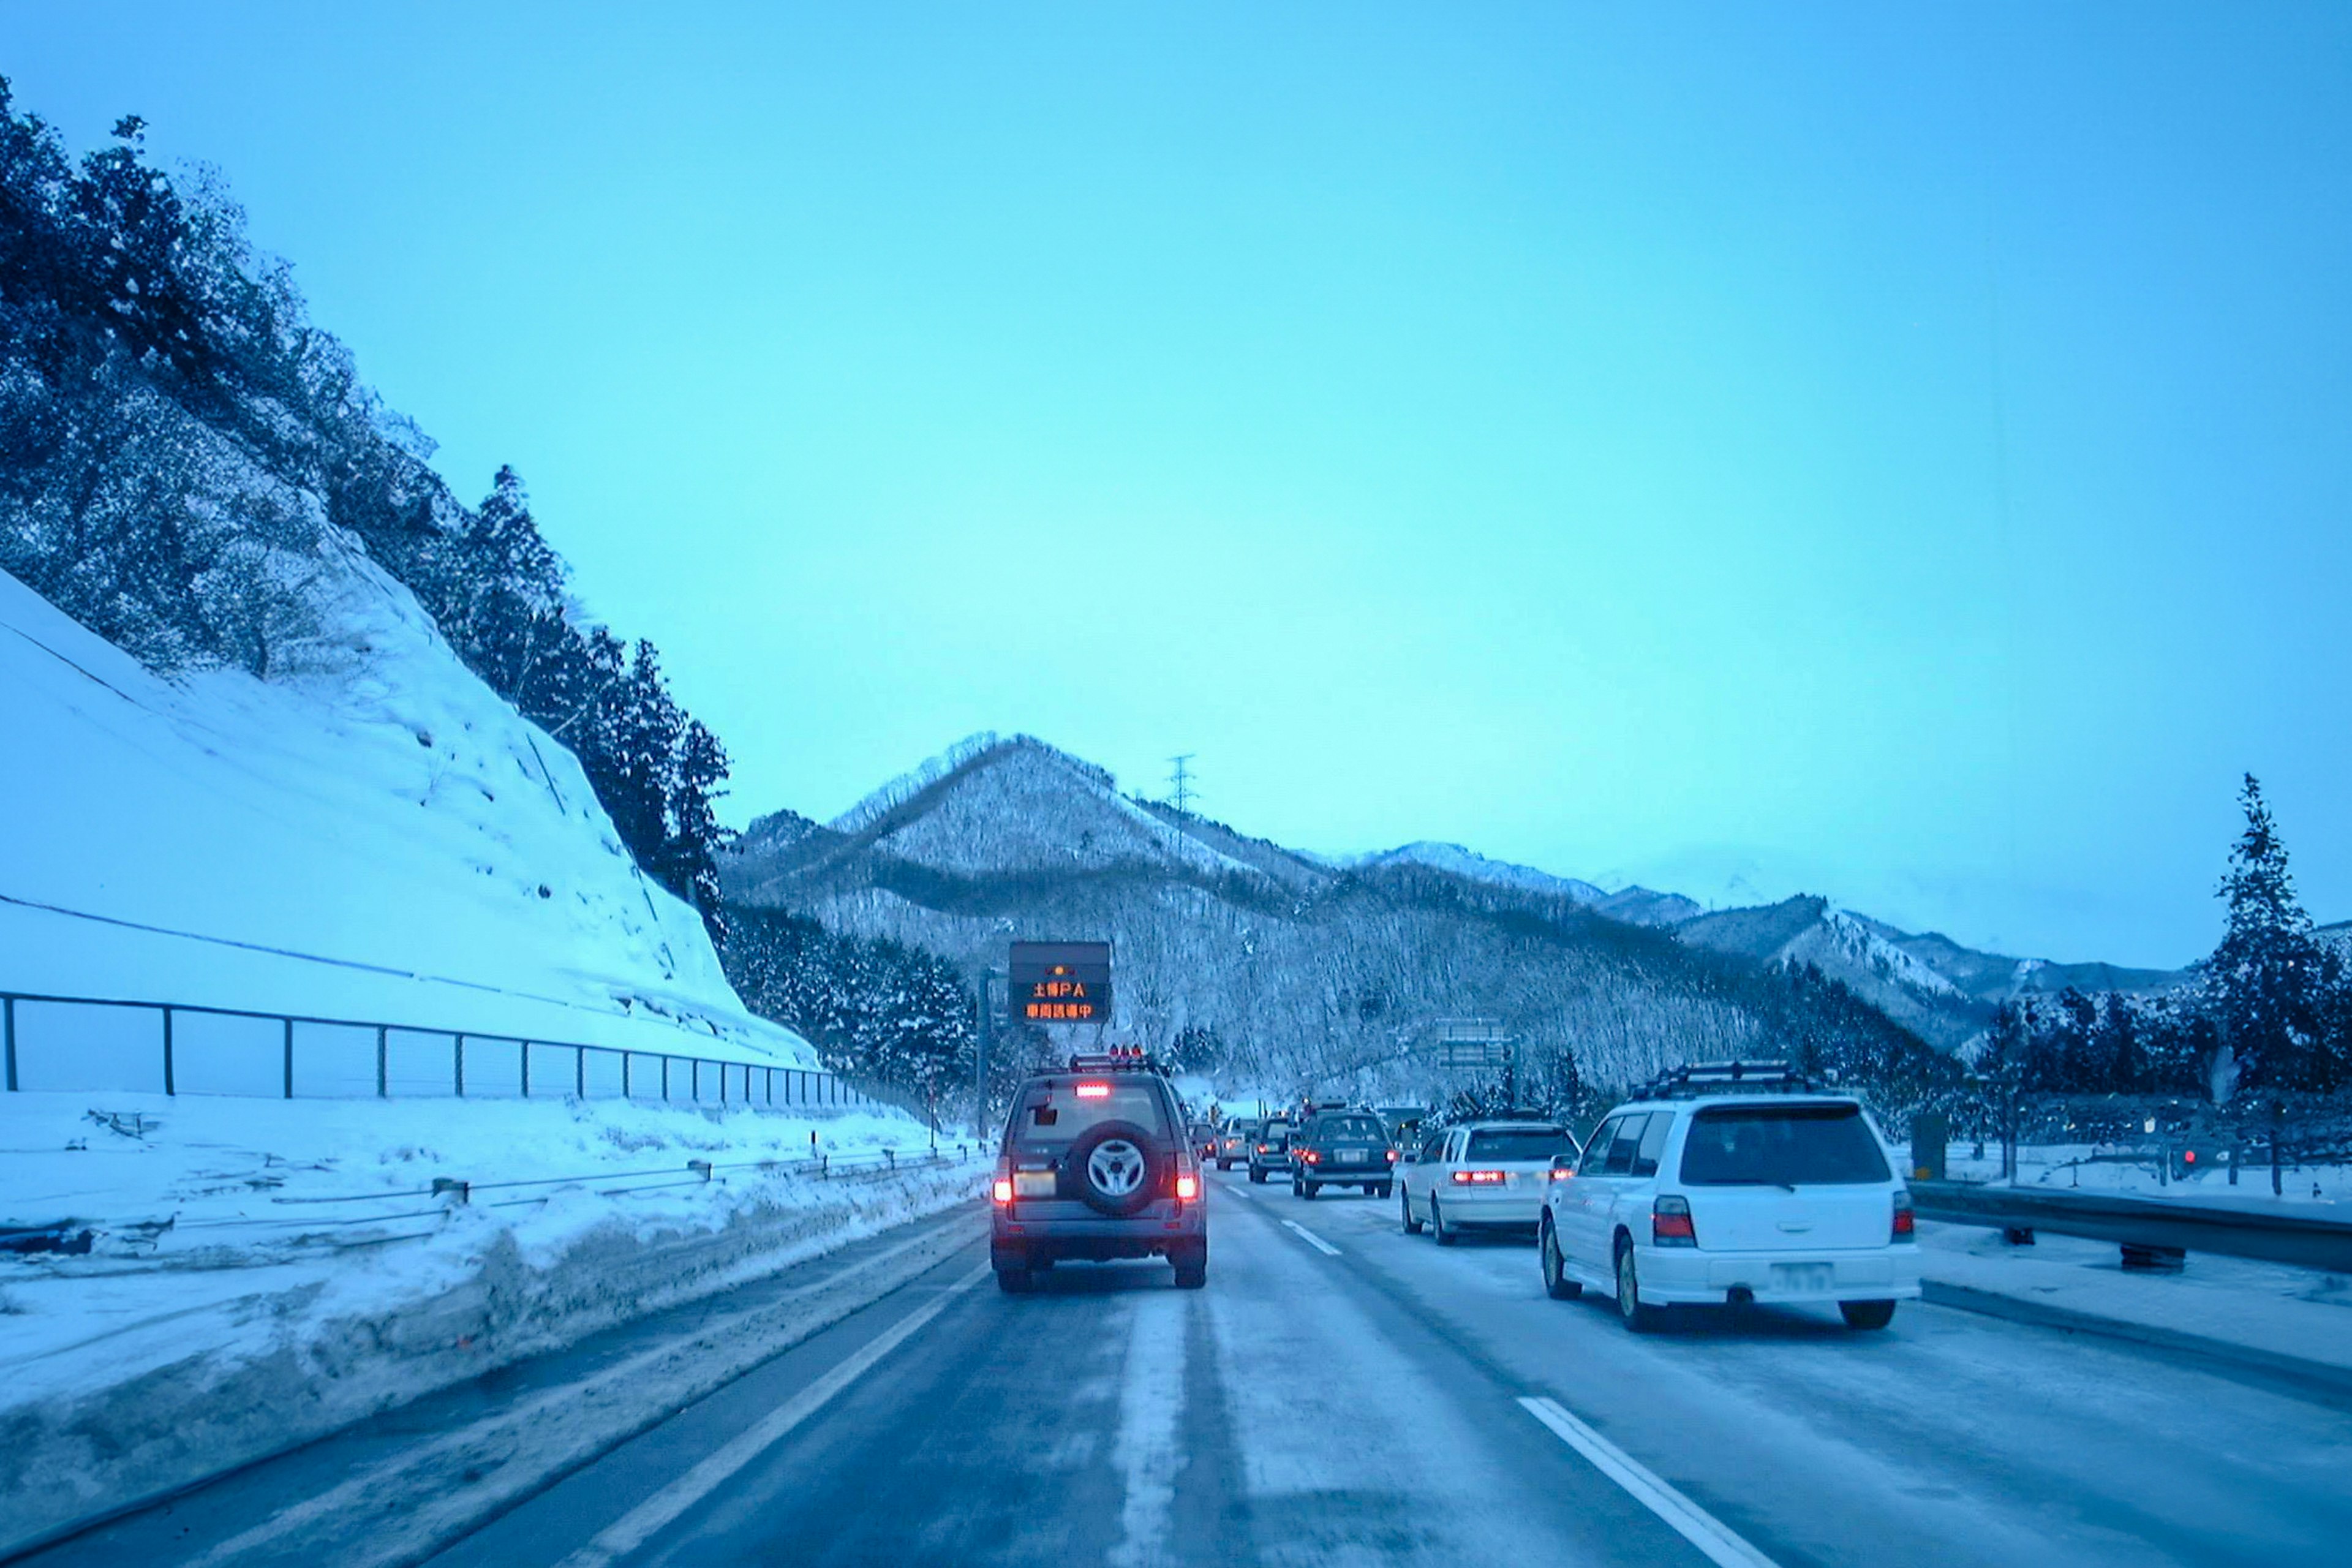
[[1902, 453]]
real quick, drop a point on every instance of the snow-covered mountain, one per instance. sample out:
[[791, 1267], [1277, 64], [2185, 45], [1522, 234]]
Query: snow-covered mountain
[[1284, 965], [1943, 991], [998, 838], [369, 834]]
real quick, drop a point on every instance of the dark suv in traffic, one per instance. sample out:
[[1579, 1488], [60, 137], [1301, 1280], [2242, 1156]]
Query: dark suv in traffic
[[1096, 1164], [1270, 1151], [1343, 1148]]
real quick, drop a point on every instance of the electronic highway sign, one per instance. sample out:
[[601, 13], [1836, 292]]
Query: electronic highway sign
[[1060, 982]]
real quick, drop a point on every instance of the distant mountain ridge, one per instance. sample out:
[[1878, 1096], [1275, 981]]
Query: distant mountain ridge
[[1303, 963]]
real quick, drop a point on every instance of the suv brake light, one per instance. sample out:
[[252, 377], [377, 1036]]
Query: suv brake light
[[1187, 1188], [1094, 1091], [1670, 1222], [1001, 1190], [1906, 1221]]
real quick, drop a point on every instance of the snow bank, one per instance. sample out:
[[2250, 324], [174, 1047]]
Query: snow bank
[[373, 834], [261, 1272]]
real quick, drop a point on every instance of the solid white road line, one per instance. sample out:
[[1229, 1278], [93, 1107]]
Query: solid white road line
[[634, 1528], [1689, 1521], [1313, 1240]]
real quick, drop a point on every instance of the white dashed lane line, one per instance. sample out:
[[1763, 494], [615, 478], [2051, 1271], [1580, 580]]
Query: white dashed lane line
[[1716, 1539], [1313, 1240]]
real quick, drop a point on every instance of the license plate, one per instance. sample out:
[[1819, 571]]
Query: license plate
[[1033, 1183], [1351, 1156], [1803, 1276]]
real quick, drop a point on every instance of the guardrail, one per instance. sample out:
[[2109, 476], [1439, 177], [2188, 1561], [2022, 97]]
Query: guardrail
[[2149, 1226], [201, 1049]]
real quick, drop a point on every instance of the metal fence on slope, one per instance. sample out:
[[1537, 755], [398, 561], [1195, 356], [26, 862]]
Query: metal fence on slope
[[118, 1045]]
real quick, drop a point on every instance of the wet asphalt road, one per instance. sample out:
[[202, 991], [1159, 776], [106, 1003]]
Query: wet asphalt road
[[1344, 1394]]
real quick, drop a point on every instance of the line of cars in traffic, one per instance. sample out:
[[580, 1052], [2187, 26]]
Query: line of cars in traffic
[[1725, 1183]]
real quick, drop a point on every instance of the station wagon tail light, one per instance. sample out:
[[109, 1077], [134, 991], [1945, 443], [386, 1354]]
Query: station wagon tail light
[[1478, 1178], [1001, 1190], [1187, 1188], [1094, 1091], [1906, 1221], [1670, 1222]]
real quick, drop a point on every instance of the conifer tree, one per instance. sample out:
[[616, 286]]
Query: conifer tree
[[2265, 984]]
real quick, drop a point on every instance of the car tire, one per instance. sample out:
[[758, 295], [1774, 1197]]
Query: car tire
[[1557, 1284], [1308, 1189], [1404, 1208], [1012, 1281], [1443, 1236], [1385, 1188], [1866, 1314], [1191, 1264], [1632, 1310], [1258, 1175]]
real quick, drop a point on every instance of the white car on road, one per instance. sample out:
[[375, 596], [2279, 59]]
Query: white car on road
[[1482, 1175], [1732, 1184]]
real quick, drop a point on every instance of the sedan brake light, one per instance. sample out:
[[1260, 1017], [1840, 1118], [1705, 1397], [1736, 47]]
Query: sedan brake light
[[1393, 1156], [1906, 1220], [1311, 1157], [1670, 1222], [1479, 1178]]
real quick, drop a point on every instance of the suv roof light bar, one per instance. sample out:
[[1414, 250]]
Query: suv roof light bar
[[1118, 1058], [1706, 1077]]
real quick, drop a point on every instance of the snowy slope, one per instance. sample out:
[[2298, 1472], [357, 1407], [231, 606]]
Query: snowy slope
[[1455, 861], [372, 835]]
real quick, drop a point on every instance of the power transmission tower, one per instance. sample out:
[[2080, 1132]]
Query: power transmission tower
[[1183, 779]]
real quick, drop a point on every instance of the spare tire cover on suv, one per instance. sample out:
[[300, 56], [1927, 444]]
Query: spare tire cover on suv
[[1116, 1168]]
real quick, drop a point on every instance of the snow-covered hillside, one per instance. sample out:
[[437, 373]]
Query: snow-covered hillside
[[1476, 868], [370, 833]]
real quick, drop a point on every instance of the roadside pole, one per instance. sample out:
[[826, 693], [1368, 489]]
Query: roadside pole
[[979, 1060]]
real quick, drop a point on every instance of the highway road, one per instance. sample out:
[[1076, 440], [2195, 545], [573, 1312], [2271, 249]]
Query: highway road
[[1344, 1394]]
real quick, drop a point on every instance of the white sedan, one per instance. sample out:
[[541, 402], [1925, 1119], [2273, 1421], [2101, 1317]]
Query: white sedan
[[1482, 1175]]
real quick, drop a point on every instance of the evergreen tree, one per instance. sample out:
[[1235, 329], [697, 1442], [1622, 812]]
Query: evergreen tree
[[2265, 984]]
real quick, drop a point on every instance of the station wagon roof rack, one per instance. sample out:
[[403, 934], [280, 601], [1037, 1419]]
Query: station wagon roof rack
[[1711, 1078]]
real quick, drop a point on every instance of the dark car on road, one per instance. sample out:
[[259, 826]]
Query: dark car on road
[[1096, 1164], [1343, 1148], [1270, 1151]]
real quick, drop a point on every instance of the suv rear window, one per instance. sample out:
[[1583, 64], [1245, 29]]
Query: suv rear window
[[1349, 1130], [1519, 1143], [1058, 1112], [1773, 1145]]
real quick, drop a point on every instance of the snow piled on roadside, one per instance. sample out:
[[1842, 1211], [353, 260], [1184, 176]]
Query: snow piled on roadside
[[222, 1313], [201, 1208]]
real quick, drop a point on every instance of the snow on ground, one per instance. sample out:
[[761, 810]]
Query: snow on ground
[[2096, 1168], [263, 1271], [370, 833], [199, 1206], [2299, 1315]]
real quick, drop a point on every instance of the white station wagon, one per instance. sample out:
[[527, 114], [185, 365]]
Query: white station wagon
[[1732, 1183]]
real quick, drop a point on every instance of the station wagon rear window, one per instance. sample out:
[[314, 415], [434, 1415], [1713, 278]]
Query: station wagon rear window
[[1519, 1143], [1781, 1145]]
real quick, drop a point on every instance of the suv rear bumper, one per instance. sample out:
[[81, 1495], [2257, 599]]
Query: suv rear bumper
[[1015, 1241], [1687, 1276]]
